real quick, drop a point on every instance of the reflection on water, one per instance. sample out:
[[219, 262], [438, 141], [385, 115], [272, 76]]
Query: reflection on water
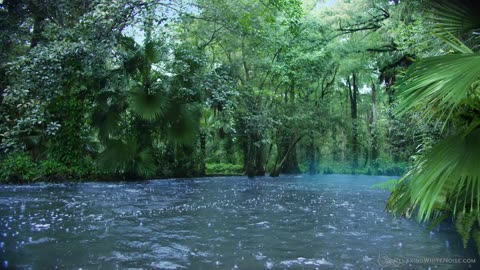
[[320, 222]]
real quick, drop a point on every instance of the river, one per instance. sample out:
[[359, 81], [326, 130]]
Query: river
[[289, 222]]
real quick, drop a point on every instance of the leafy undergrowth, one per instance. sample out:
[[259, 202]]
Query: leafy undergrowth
[[21, 168], [223, 169]]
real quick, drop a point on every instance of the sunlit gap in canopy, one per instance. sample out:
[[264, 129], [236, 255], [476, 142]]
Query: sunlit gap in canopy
[[167, 12], [325, 3]]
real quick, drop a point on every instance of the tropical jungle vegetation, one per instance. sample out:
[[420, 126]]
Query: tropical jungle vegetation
[[97, 89]]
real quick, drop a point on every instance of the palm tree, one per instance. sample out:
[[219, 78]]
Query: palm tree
[[137, 106], [445, 180]]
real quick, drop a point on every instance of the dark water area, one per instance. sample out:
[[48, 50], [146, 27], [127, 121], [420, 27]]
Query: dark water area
[[290, 222]]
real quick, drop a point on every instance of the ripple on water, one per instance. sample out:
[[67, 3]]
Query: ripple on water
[[40, 240], [330, 227], [221, 223], [167, 252], [40, 227], [263, 225]]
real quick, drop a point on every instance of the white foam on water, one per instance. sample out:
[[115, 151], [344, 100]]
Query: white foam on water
[[40, 227], [167, 265], [263, 224], [259, 256], [40, 240], [330, 227], [304, 261], [367, 259]]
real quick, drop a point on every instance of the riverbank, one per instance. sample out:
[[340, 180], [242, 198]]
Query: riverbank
[[21, 169]]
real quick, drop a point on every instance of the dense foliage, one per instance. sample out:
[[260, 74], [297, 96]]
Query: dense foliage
[[133, 89]]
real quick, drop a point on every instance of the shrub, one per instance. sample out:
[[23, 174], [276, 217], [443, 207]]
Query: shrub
[[18, 167], [223, 169], [52, 170]]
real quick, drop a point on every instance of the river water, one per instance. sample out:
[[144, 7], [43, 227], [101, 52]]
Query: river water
[[290, 222]]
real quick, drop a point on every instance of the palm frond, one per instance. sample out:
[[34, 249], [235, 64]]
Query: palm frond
[[182, 122], [118, 155], [145, 164], [454, 42], [127, 157], [400, 202], [152, 53], [448, 174], [456, 17], [432, 86], [106, 120], [149, 106]]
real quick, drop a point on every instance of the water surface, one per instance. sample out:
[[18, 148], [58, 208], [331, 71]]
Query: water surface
[[290, 222]]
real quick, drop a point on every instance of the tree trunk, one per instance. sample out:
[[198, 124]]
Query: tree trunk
[[311, 153], [249, 155], [37, 31], [203, 152], [353, 94], [230, 150], [373, 128], [254, 158], [290, 166], [259, 161], [276, 170]]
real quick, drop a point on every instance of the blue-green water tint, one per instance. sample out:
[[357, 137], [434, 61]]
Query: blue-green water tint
[[302, 222]]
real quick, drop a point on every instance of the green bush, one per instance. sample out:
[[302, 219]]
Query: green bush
[[18, 167], [85, 168], [223, 169], [49, 168]]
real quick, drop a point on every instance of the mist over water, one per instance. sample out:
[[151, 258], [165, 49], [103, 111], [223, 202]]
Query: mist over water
[[295, 222]]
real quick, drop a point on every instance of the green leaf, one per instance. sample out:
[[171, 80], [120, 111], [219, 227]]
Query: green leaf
[[455, 17], [448, 173], [454, 42], [149, 106], [151, 53], [436, 86]]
